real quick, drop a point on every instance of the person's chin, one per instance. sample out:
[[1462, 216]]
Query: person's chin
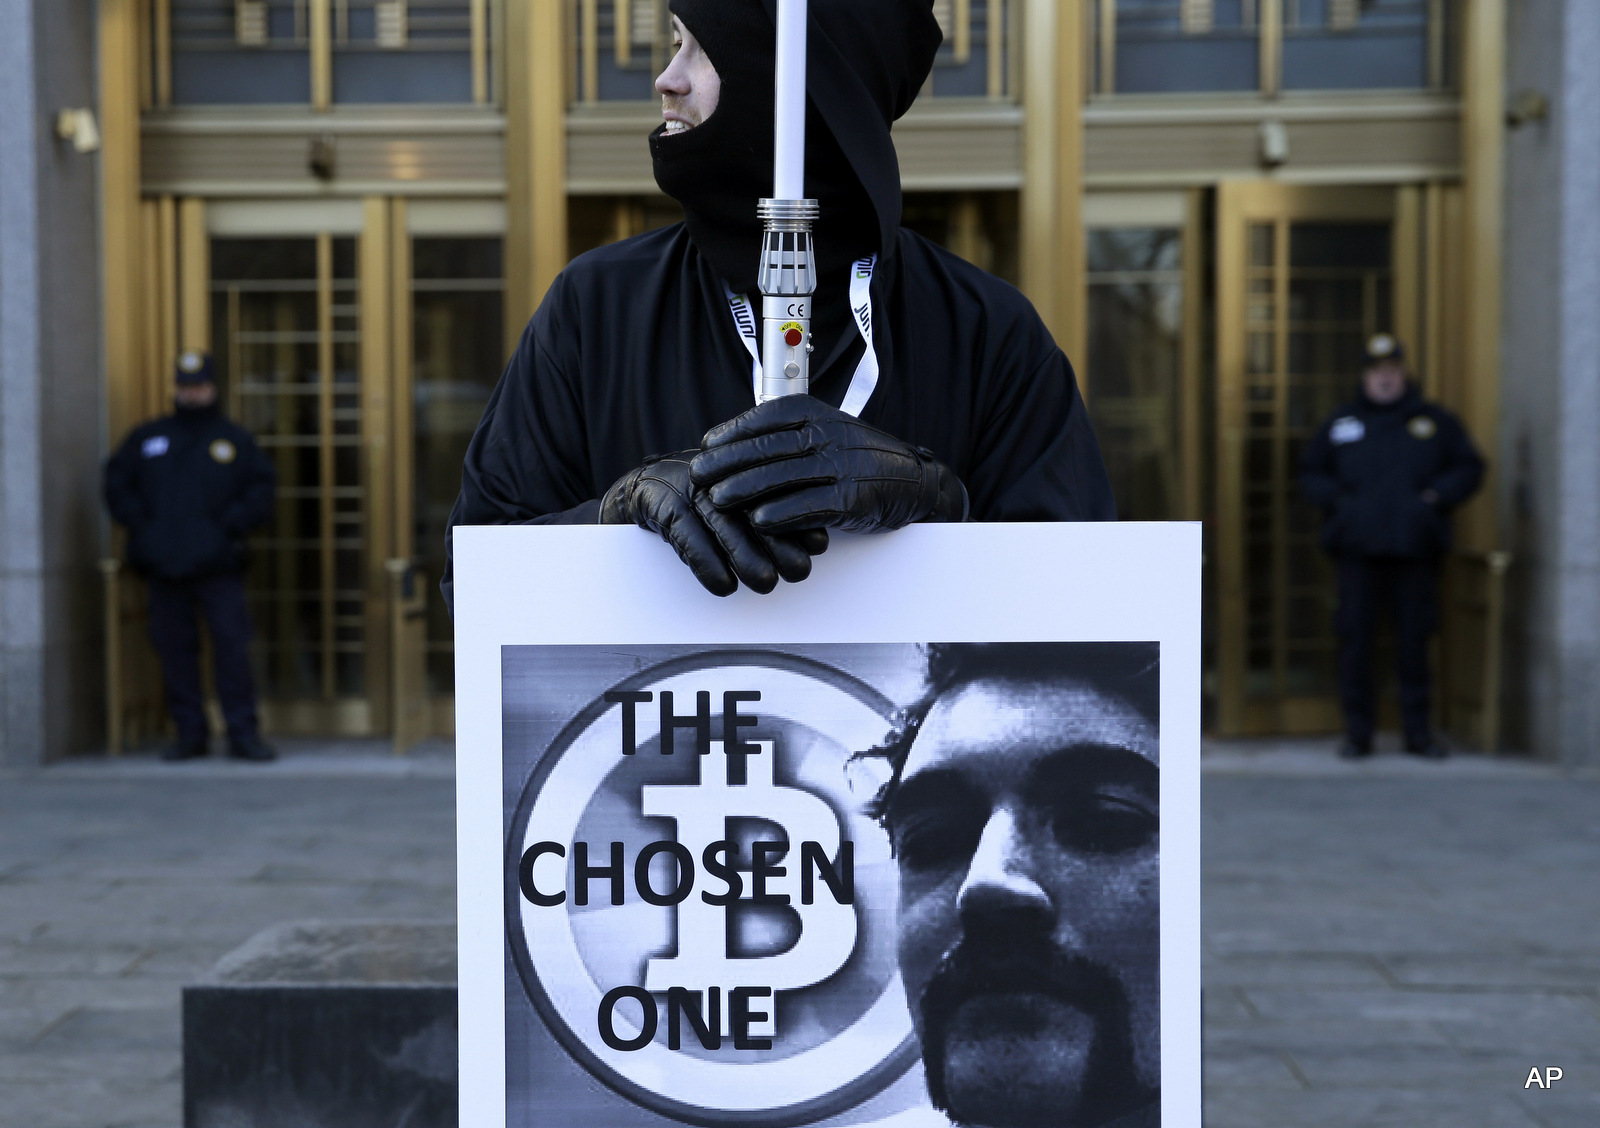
[[1016, 1060]]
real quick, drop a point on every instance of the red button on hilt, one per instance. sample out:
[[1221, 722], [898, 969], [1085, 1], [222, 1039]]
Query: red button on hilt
[[793, 338]]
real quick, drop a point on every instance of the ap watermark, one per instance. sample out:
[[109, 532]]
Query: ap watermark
[[1549, 1077]]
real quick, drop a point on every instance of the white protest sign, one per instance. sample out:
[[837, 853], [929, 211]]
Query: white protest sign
[[911, 840]]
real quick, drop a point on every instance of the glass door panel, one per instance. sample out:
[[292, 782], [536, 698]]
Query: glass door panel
[[1135, 365], [457, 296]]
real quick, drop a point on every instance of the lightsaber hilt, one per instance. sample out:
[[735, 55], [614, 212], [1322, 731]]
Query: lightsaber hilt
[[787, 279]]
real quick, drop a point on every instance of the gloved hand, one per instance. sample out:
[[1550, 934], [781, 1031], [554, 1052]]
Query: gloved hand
[[720, 548], [796, 463]]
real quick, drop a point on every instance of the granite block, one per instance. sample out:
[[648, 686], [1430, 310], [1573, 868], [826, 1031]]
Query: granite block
[[325, 1025]]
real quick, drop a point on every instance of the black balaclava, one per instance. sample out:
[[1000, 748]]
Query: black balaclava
[[867, 59]]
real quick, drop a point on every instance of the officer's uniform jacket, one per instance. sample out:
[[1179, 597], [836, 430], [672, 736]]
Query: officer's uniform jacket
[[189, 487], [1368, 466]]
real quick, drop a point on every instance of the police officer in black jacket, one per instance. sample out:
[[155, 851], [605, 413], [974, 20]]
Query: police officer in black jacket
[[1387, 469], [189, 487]]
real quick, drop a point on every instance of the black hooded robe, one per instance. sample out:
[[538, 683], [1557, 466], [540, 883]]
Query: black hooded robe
[[634, 351]]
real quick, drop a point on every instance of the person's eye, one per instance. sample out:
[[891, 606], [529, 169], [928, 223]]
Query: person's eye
[[930, 839], [1103, 824]]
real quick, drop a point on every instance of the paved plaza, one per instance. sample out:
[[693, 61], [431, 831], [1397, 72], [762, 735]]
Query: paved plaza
[[1390, 943]]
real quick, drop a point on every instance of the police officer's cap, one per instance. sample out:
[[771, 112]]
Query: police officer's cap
[[1384, 346], [195, 368]]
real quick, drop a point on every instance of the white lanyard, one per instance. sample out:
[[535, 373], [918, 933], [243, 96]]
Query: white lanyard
[[866, 377]]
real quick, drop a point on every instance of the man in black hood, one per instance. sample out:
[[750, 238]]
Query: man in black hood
[[1388, 468], [936, 391]]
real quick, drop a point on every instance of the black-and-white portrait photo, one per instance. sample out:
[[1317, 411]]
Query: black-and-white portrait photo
[[907, 885], [1024, 811]]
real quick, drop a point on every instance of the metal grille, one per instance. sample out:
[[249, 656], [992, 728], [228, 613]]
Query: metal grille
[[289, 355], [285, 52], [434, 25], [1198, 16], [1344, 14], [1163, 19], [644, 21], [613, 36], [1315, 292], [201, 25], [1347, 15], [1157, 46], [250, 23], [390, 25]]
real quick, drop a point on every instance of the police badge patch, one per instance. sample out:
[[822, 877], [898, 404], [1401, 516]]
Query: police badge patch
[[223, 451], [1422, 427], [1346, 429]]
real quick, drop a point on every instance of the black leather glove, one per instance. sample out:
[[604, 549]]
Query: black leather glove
[[796, 463], [720, 548]]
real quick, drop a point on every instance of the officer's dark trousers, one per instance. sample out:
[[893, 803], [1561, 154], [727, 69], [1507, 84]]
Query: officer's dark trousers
[[175, 630], [1410, 589]]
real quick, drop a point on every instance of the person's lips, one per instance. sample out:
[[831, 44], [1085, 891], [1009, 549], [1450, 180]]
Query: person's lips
[[677, 121]]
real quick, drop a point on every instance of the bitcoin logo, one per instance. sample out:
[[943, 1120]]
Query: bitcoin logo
[[827, 928], [707, 924]]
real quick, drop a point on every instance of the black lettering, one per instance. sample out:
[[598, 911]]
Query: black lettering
[[641, 873], [733, 721], [583, 873], [628, 699], [723, 870], [608, 1032], [761, 870], [841, 882], [525, 873], [700, 721], [740, 1016], [681, 1000]]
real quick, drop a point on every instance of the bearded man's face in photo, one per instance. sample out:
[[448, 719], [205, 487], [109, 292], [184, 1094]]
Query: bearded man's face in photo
[[1026, 828]]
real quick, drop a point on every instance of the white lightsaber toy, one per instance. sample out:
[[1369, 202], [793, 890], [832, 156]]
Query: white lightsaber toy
[[787, 275]]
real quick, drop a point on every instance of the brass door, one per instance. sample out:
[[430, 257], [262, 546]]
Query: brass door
[[301, 329], [358, 340], [1304, 275], [290, 340]]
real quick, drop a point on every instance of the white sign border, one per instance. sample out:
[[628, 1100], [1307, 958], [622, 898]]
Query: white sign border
[[608, 585]]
